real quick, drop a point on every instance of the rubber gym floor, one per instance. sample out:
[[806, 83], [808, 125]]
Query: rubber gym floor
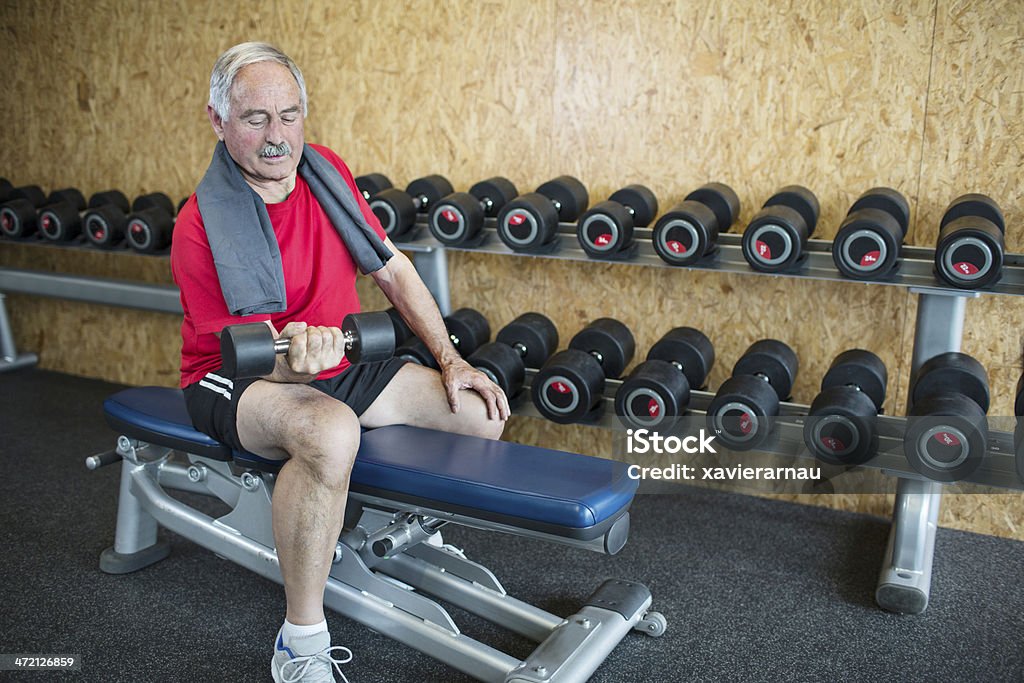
[[753, 590]]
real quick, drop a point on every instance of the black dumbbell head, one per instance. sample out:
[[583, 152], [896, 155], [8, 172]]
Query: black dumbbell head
[[60, 222], [976, 206], [395, 210], [5, 189], [740, 413], [494, 193], [689, 348], [862, 370], [611, 340], [654, 395], [569, 194], [605, 229], [402, 330], [641, 200], [867, 245], [429, 190], [569, 387], [110, 198], [501, 364], [969, 252], [801, 200], [372, 337], [685, 233], [456, 219], [1018, 402], [105, 225], [888, 200], [416, 351], [951, 373], [946, 437], [528, 223], [772, 359], [247, 350], [149, 229], [468, 329], [533, 336], [841, 426], [18, 218], [372, 183], [722, 201], [182, 203], [156, 200], [32, 193], [69, 195]]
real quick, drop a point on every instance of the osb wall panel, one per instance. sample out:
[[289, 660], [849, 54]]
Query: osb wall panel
[[837, 96]]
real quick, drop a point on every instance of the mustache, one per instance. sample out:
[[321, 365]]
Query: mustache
[[281, 150]]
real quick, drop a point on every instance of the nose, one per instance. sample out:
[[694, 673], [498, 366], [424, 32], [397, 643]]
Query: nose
[[275, 132]]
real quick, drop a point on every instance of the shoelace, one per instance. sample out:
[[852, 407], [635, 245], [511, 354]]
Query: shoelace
[[302, 663], [454, 550]]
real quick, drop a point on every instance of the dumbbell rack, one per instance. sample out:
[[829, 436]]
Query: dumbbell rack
[[905, 578]]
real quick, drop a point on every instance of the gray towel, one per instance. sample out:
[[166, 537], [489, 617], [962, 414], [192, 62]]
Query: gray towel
[[249, 268]]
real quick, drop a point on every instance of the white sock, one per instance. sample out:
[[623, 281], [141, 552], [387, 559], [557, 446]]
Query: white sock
[[435, 539], [290, 630]]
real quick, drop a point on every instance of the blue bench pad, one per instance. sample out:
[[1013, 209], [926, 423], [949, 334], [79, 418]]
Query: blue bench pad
[[503, 480]]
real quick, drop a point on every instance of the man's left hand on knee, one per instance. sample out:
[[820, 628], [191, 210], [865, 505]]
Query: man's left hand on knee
[[459, 375]]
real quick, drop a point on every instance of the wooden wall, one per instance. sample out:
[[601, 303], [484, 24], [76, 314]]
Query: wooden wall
[[923, 96]]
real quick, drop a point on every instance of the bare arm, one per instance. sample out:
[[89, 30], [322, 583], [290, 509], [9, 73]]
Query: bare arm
[[406, 291]]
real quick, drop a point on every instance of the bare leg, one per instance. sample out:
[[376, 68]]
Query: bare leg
[[320, 436], [415, 396]]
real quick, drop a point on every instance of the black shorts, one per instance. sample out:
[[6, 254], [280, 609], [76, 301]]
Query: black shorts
[[212, 402]]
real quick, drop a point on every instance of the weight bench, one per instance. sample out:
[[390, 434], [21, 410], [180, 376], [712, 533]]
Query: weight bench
[[406, 483]]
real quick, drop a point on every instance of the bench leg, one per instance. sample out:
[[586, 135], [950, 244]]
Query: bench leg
[[135, 541], [10, 359]]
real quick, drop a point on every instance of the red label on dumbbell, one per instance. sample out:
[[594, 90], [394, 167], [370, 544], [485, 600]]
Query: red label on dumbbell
[[763, 250], [6, 221], [99, 234], [833, 444], [450, 216], [870, 258], [946, 439], [603, 240], [47, 221], [561, 388], [676, 247], [653, 408], [966, 267], [746, 423], [137, 228], [516, 219]]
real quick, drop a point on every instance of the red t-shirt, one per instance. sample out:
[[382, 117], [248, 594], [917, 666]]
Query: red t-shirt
[[319, 274]]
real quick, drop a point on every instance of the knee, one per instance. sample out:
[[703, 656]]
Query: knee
[[325, 443], [482, 426]]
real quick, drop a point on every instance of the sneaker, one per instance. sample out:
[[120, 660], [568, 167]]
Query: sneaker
[[437, 541], [308, 660]]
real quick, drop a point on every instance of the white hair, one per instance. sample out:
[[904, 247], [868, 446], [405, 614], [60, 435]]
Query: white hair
[[231, 62]]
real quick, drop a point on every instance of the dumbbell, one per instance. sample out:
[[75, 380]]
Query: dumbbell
[[840, 428], [467, 328], [776, 237], [742, 411], [18, 217], [527, 341], [151, 223], [459, 217], [60, 217], [250, 350], [606, 229], [372, 183], [947, 430], [5, 189], [569, 387], [969, 251], [1018, 432], [402, 329], [689, 230], [656, 393], [106, 218], [529, 223], [868, 243], [396, 210]]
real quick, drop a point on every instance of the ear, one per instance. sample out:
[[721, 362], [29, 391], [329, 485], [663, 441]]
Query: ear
[[216, 122]]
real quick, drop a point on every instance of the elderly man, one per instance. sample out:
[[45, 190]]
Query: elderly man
[[263, 241]]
